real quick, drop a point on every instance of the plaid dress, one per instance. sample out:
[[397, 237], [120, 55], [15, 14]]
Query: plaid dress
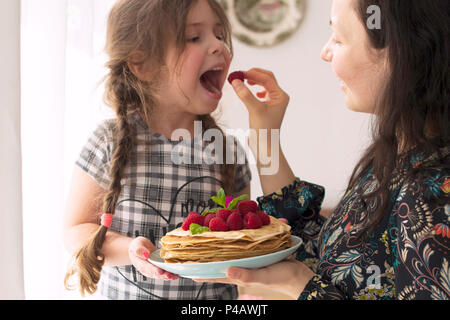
[[157, 194]]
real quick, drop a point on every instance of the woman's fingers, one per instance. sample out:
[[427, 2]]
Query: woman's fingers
[[261, 94], [245, 94], [247, 276], [263, 78], [239, 276]]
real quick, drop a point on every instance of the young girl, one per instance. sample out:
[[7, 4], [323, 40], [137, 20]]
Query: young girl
[[168, 63]]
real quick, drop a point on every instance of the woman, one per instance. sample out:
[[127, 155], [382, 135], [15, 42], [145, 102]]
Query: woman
[[389, 236]]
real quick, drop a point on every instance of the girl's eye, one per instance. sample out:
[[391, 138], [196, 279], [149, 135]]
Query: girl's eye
[[194, 39], [221, 38]]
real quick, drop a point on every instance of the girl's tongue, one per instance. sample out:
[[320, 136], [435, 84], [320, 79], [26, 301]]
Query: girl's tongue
[[210, 81]]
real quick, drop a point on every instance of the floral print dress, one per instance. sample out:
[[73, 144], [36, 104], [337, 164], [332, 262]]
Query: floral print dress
[[406, 257]]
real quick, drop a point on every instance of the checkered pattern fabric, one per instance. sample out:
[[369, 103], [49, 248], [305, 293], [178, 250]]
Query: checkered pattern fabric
[[156, 197]]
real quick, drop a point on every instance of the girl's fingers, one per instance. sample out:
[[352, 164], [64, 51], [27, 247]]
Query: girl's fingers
[[140, 250], [152, 271]]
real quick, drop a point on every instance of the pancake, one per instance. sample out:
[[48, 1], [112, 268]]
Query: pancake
[[179, 246]]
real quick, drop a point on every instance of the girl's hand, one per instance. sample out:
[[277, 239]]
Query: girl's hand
[[289, 277], [139, 251], [266, 114]]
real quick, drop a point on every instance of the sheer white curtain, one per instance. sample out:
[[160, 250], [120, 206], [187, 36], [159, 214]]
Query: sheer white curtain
[[11, 264], [62, 62]]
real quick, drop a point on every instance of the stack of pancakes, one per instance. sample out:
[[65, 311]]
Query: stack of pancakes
[[179, 246]]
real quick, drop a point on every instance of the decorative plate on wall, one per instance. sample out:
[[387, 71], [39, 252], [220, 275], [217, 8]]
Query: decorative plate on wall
[[264, 23]]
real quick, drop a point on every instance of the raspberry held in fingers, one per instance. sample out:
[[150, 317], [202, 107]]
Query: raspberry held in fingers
[[236, 75]]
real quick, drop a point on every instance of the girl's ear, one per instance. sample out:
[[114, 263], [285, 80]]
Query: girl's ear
[[139, 66]]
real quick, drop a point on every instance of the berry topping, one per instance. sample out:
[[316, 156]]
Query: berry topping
[[234, 221], [218, 224], [246, 206], [236, 75], [208, 218], [193, 217], [223, 213], [252, 221], [265, 219]]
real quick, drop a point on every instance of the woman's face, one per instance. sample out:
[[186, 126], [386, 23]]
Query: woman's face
[[361, 69]]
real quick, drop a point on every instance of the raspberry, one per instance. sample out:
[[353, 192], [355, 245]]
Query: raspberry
[[193, 217], [234, 221], [252, 221], [208, 218], [223, 213], [236, 75], [246, 206], [265, 219], [217, 224]]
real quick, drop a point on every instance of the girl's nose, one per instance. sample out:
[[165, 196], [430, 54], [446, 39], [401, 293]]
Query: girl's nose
[[217, 47], [326, 54]]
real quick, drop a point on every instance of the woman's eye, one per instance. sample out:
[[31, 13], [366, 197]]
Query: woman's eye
[[336, 41]]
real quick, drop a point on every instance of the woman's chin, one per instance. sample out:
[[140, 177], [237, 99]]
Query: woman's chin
[[358, 108]]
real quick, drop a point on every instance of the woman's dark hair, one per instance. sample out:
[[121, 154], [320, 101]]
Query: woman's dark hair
[[412, 113]]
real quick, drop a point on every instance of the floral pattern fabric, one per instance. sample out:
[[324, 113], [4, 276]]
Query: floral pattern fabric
[[406, 257]]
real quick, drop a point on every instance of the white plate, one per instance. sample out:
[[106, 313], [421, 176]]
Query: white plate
[[212, 270]]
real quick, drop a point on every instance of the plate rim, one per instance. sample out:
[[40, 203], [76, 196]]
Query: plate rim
[[195, 264]]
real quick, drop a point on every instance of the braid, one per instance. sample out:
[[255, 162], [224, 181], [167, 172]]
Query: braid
[[227, 171], [89, 260]]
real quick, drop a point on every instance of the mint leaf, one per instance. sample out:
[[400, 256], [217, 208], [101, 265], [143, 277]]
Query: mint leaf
[[197, 229], [236, 200], [221, 194], [220, 199], [216, 200], [213, 210]]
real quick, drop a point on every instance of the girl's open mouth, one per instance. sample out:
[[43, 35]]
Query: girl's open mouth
[[211, 80]]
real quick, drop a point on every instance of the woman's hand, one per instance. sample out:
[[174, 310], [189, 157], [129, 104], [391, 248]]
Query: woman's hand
[[269, 113], [273, 169], [288, 277], [139, 251]]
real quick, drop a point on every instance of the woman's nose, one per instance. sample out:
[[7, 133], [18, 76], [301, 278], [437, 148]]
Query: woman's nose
[[326, 54]]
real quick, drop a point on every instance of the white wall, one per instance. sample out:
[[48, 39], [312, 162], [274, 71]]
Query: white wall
[[11, 264], [321, 138]]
